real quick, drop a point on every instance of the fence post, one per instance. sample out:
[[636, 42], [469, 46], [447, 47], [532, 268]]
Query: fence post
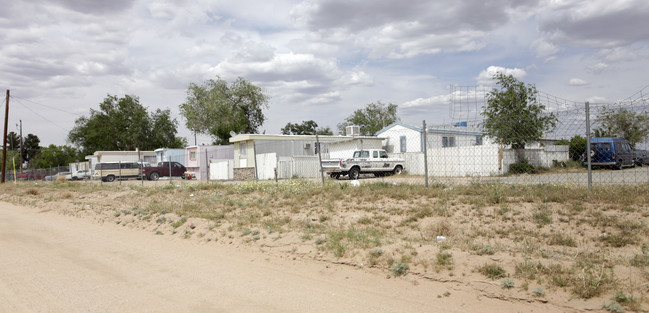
[[207, 166], [169, 162], [120, 172], [425, 154], [254, 149], [588, 160], [317, 142]]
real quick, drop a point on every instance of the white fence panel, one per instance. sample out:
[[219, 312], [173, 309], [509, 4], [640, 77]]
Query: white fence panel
[[221, 169], [298, 167], [266, 165]]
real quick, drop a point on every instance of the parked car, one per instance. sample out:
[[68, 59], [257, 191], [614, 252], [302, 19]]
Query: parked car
[[611, 152], [641, 157], [57, 175], [164, 169], [368, 161], [30, 175], [110, 171], [79, 175]]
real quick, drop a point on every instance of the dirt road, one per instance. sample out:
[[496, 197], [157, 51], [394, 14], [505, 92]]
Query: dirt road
[[55, 263]]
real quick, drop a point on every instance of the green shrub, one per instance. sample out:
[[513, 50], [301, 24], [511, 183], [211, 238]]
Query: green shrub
[[493, 271], [522, 167], [400, 269]]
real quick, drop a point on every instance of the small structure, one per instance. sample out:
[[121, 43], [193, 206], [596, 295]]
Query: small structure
[[170, 155], [265, 156], [199, 158], [404, 138], [120, 156]]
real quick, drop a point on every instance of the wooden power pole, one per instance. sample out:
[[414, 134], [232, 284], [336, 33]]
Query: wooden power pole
[[4, 142]]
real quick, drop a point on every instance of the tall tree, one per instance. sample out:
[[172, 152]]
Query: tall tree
[[163, 130], [30, 147], [53, 155], [13, 141], [624, 123], [513, 114], [123, 124], [217, 108], [372, 118], [325, 131], [306, 128]]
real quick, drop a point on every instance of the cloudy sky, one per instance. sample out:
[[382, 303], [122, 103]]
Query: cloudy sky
[[317, 60]]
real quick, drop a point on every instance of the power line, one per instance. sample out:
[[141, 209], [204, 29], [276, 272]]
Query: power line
[[51, 122], [47, 106]]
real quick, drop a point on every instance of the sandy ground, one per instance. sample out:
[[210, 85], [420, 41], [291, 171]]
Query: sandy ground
[[56, 263]]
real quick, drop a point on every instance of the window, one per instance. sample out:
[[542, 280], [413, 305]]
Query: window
[[402, 143], [448, 141], [384, 155], [375, 154], [192, 155], [242, 148], [606, 146], [478, 140]]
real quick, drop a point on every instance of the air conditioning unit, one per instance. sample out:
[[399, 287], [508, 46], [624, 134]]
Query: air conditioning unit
[[307, 146], [353, 130]]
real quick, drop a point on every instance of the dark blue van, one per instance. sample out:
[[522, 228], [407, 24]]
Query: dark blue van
[[611, 152]]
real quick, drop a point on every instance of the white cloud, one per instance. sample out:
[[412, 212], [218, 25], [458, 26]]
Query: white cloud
[[577, 82], [544, 49], [485, 78]]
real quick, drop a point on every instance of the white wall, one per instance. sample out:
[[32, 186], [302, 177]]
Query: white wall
[[298, 166], [477, 160], [413, 139], [345, 150], [266, 165], [221, 169]]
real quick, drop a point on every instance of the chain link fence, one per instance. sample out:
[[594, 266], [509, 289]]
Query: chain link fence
[[464, 152], [458, 153]]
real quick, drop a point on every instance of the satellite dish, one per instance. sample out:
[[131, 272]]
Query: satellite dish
[[232, 133]]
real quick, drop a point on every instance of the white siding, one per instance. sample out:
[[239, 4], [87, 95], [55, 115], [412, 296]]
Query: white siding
[[394, 135]]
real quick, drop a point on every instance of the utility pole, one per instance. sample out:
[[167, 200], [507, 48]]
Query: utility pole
[[21, 146], [4, 142]]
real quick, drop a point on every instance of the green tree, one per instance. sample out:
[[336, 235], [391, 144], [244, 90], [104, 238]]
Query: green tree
[[306, 128], [13, 141], [123, 124], [53, 156], [623, 123], [513, 114], [30, 147], [372, 118], [217, 109], [324, 131], [576, 144], [163, 131]]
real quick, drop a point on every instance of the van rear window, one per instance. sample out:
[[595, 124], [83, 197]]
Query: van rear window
[[605, 146]]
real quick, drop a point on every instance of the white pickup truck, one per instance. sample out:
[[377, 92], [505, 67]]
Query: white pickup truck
[[369, 161]]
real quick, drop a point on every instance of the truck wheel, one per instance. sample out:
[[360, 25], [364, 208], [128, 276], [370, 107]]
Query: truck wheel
[[354, 173], [618, 165], [110, 178], [154, 176], [398, 170]]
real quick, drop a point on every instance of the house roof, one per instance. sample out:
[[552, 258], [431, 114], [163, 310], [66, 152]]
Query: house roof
[[142, 153], [245, 137], [451, 131], [399, 124], [455, 131]]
